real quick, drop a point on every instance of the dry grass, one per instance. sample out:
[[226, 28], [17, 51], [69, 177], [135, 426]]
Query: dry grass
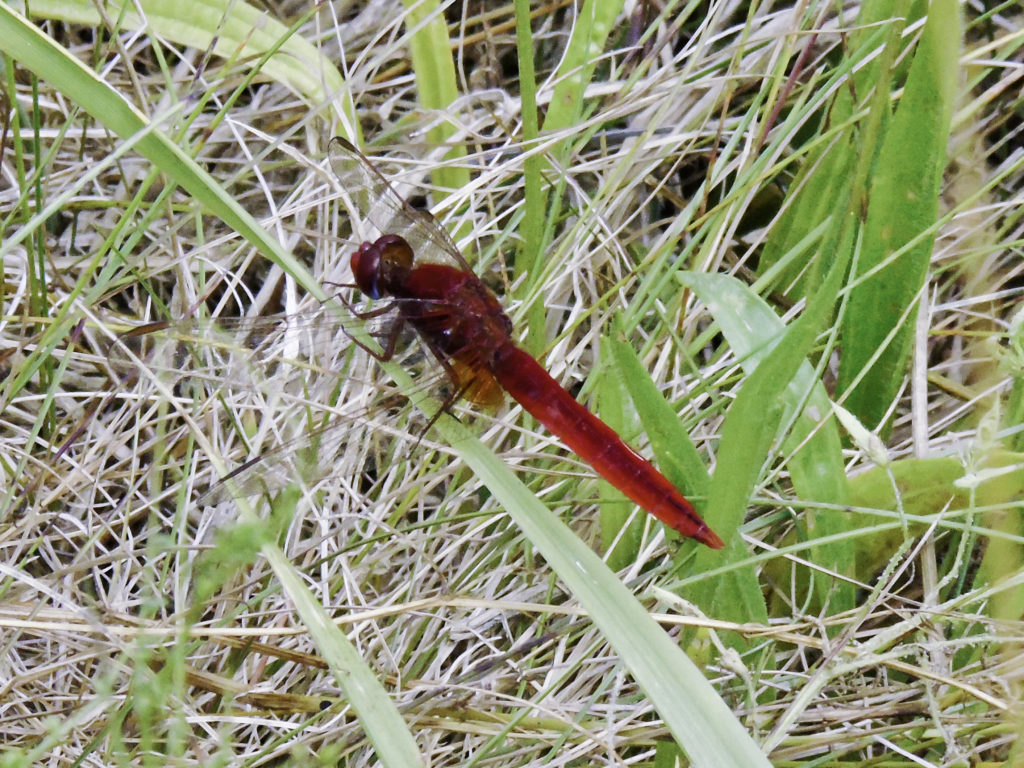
[[141, 625]]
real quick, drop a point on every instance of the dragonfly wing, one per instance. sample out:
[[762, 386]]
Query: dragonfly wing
[[287, 365], [478, 385], [238, 352], [307, 459], [388, 211], [229, 351]]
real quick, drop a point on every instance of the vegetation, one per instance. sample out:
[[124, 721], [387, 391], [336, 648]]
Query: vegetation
[[778, 249]]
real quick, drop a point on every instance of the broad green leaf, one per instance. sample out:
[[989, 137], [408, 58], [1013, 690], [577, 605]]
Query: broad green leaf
[[911, 493], [751, 424], [811, 442]]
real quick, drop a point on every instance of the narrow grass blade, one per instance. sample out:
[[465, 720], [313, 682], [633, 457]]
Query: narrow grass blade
[[674, 451], [384, 725], [595, 22], [699, 720], [431, 55], [622, 523], [669, 440], [899, 229]]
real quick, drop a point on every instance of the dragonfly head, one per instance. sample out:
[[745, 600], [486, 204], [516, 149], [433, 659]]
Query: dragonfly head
[[382, 264]]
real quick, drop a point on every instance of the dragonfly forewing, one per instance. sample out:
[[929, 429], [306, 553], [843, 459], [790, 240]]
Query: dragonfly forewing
[[297, 392], [376, 200], [234, 352]]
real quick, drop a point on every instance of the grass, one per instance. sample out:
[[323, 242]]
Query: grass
[[776, 250]]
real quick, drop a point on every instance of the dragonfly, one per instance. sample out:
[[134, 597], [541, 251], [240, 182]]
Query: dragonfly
[[417, 267]]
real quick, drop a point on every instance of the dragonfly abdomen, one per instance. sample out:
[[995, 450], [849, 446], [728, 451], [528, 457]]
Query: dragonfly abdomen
[[597, 443]]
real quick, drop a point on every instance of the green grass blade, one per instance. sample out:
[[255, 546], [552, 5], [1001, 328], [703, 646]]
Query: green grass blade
[[383, 723], [695, 714], [899, 229], [675, 454], [828, 178], [669, 440], [590, 33], [529, 253], [430, 51], [622, 522], [824, 179]]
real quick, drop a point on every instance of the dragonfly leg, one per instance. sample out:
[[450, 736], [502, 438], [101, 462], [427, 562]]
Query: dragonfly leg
[[446, 406], [387, 353], [390, 336], [459, 389], [361, 314], [367, 314]]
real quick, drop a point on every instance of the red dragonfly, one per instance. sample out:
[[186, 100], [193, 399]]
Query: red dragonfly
[[432, 288]]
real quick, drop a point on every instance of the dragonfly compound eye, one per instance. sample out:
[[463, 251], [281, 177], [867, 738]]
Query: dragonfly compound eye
[[382, 264], [366, 269]]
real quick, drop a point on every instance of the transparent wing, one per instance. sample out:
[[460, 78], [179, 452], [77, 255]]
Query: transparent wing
[[297, 396], [315, 454], [282, 368], [378, 202], [241, 352], [234, 352]]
